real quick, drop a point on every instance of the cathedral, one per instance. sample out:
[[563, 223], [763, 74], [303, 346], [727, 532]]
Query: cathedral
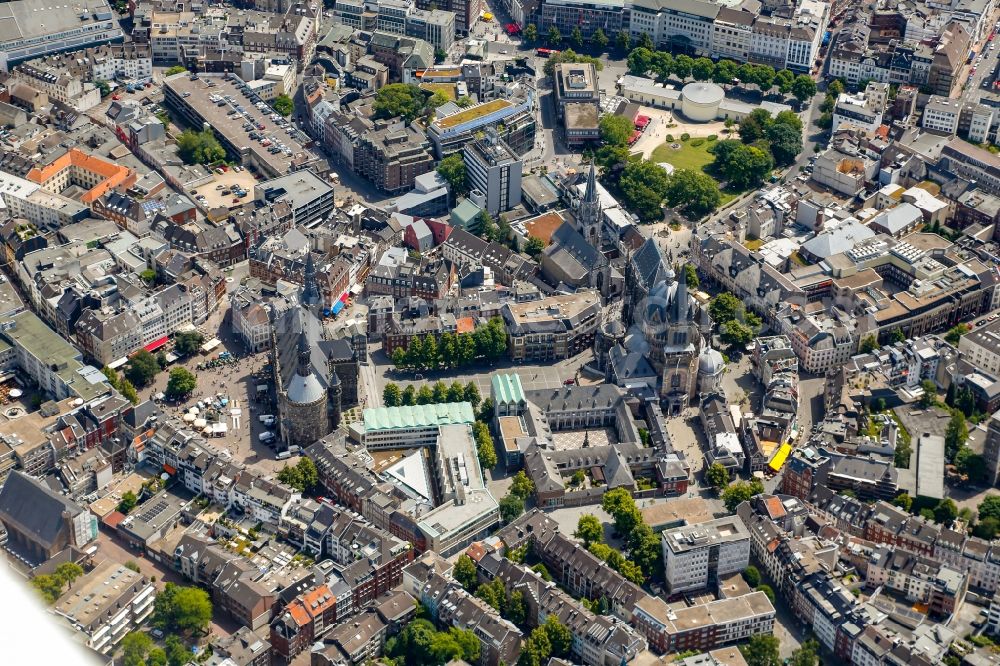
[[308, 388], [658, 308]]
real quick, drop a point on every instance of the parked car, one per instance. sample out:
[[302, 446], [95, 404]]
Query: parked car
[[266, 436]]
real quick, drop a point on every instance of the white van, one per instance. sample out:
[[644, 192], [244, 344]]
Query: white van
[[284, 455], [266, 437], [294, 448], [263, 418]]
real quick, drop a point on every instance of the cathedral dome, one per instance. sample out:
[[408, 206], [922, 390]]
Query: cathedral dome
[[710, 362]]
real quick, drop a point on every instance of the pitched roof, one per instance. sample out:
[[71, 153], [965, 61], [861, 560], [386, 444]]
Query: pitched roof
[[34, 509]]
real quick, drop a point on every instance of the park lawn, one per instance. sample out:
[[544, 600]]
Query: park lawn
[[686, 157]]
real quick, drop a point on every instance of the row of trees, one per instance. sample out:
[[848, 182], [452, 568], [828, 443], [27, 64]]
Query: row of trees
[[643, 61], [122, 385], [590, 530], [451, 350], [643, 546], [833, 90], [780, 136], [428, 394]]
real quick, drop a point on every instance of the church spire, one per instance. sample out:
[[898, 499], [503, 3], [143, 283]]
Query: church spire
[[590, 195], [310, 288], [304, 357], [681, 296]]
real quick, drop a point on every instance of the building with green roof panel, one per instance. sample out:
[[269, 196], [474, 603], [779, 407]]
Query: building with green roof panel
[[507, 394], [412, 425]]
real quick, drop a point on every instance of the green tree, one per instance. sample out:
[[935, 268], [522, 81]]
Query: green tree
[[199, 147], [691, 276], [530, 33], [425, 396], [537, 649], [283, 104], [184, 609], [987, 528], [702, 69], [989, 507], [142, 368], [493, 593], [599, 39], [955, 434], [68, 572], [181, 382], [157, 657], [897, 335], [132, 565], [177, 653], [409, 396], [48, 586], [739, 492], [623, 41], [784, 80], [683, 64], [615, 130], [742, 165], [534, 247], [515, 608], [725, 72], [755, 125], [903, 501], [399, 358], [929, 395], [127, 389], [103, 86], [717, 476], [946, 511], [452, 169], [511, 507], [521, 485], [806, 655], [187, 343], [111, 376], [440, 391], [472, 394], [486, 410], [589, 530], [835, 88], [762, 650], [570, 56], [399, 99], [768, 591], [554, 36], [488, 229], [955, 334], [869, 343], [456, 392], [752, 576], [786, 143], [290, 476], [696, 191], [485, 448], [465, 573], [725, 307], [576, 38], [640, 61], [391, 395], [803, 87], [736, 333], [135, 647], [644, 186], [559, 636], [128, 502]]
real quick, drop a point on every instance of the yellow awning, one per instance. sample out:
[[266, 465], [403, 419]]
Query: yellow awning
[[780, 457]]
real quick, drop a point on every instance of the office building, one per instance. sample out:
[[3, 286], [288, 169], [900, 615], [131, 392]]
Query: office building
[[494, 169], [24, 35], [697, 556]]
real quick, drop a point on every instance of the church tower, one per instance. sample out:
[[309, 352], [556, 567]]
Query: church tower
[[589, 213], [336, 392]]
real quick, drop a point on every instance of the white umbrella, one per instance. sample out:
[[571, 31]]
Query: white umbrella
[[189, 417], [200, 423]]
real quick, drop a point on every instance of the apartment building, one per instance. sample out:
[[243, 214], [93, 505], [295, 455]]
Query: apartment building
[[696, 557], [552, 328], [981, 347], [587, 15], [942, 114], [493, 169], [862, 110], [686, 23], [973, 163], [466, 12], [393, 157], [918, 579], [60, 86], [107, 603], [28, 200]]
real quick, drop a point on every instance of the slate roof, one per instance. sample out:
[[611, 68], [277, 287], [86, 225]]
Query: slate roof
[[34, 509]]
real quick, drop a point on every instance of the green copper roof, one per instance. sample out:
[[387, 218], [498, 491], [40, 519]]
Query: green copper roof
[[507, 388], [417, 416]]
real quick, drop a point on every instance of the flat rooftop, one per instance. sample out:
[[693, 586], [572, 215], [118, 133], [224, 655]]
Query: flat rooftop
[[98, 593], [473, 113], [25, 19], [199, 92], [702, 535], [560, 306]]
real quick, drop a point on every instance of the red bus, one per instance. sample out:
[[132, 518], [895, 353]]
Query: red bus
[[545, 53]]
